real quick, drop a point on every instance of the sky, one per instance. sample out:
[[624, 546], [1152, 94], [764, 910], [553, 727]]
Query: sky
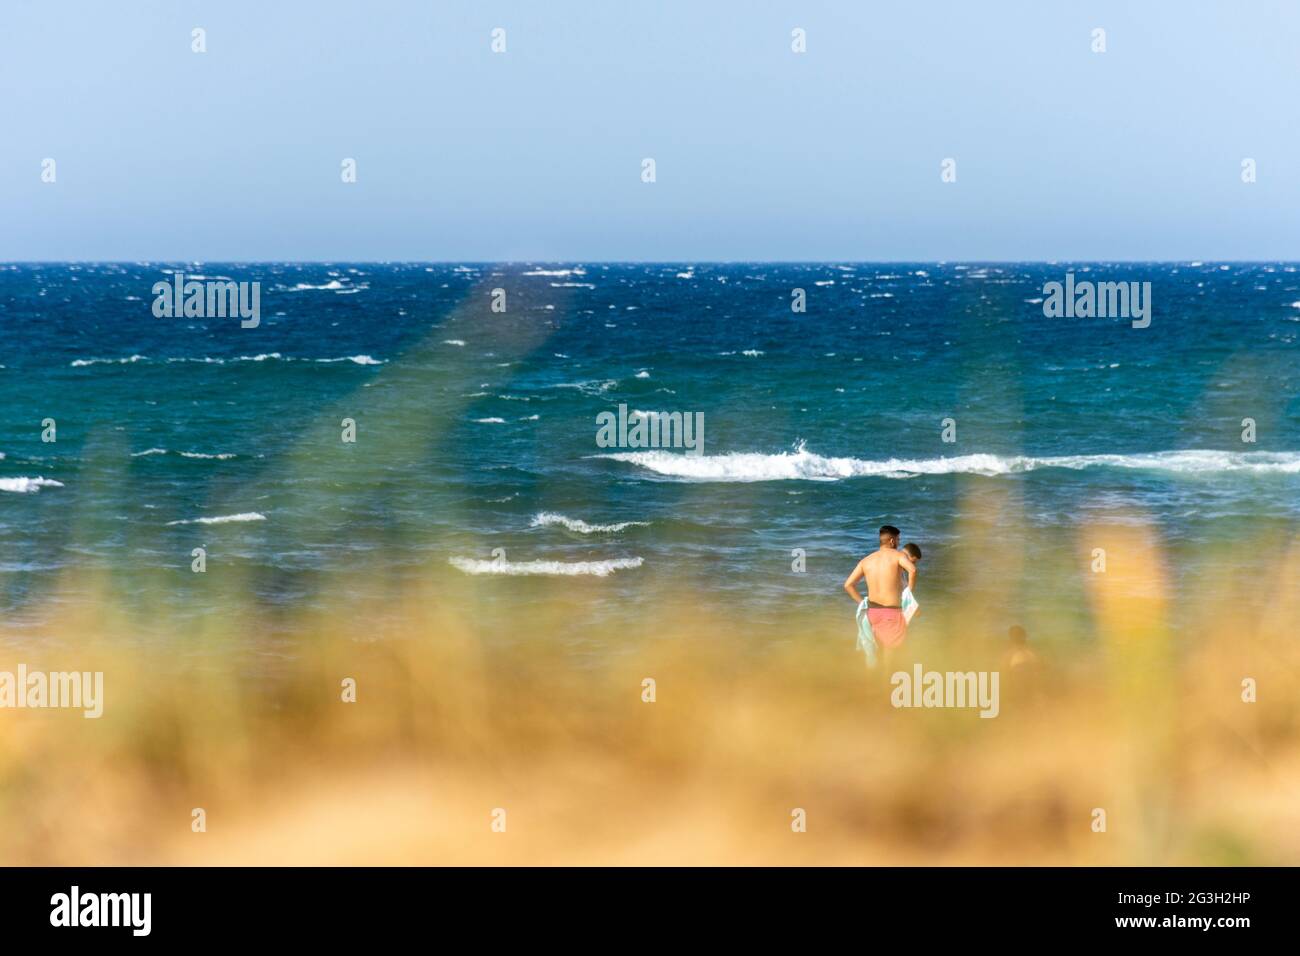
[[761, 153]]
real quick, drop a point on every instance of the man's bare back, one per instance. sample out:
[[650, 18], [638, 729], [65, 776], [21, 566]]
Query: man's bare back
[[881, 571], [884, 582]]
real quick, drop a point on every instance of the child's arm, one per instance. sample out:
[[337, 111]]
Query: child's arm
[[906, 564]]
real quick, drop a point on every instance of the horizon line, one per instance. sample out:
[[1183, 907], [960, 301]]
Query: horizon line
[[623, 262]]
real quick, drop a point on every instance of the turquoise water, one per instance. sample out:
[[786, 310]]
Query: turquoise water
[[476, 430]]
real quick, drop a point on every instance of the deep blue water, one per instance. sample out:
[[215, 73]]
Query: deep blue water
[[474, 425]]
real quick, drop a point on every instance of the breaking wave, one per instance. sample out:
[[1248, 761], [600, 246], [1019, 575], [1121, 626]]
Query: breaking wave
[[219, 456], [545, 519], [225, 519], [27, 485], [218, 360], [802, 464], [599, 569]]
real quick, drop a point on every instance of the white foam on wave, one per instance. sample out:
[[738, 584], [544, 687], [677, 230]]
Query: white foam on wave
[[225, 519], [598, 569], [594, 387], [555, 273], [211, 360], [490, 421], [24, 486], [358, 359], [260, 357], [802, 464], [276, 356], [81, 363], [544, 519], [457, 342], [330, 286], [219, 456], [1191, 461]]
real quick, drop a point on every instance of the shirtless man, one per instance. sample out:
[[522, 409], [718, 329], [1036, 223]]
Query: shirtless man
[[884, 588]]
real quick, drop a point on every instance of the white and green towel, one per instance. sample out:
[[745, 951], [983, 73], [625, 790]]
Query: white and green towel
[[867, 639], [909, 605]]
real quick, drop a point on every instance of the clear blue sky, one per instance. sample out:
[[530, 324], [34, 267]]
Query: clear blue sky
[[761, 153]]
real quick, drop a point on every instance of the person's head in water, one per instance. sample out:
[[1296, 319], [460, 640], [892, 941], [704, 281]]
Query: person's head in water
[[889, 536], [1020, 654], [913, 551]]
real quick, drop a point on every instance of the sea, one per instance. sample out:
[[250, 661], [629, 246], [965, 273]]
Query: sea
[[392, 424]]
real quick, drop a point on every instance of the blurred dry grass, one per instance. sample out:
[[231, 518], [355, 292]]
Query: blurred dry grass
[[1134, 717]]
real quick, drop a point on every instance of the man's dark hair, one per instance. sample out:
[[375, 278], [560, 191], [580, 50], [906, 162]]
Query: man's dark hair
[[889, 530], [913, 551]]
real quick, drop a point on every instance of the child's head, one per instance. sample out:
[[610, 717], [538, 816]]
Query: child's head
[[912, 551]]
